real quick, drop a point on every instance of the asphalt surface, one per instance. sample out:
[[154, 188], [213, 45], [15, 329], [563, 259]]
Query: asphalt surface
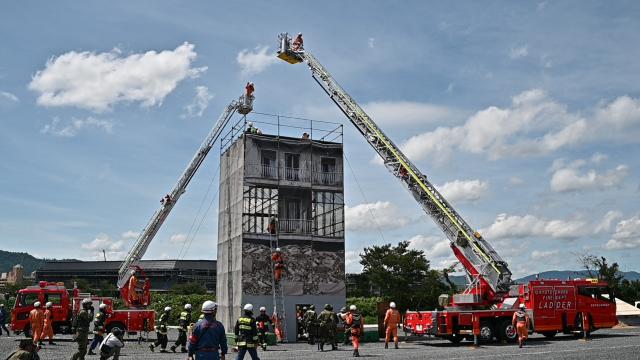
[[620, 344]]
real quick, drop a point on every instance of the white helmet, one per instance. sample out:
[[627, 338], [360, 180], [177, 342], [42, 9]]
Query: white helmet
[[263, 309], [299, 33], [353, 308], [86, 301], [48, 304], [277, 249], [36, 304], [187, 306], [250, 83], [248, 307], [209, 307], [167, 309], [392, 305], [250, 124], [102, 306], [522, 306]]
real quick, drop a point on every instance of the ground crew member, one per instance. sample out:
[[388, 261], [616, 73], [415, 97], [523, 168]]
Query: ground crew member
[[278, 266], [391, 324], [26, 351], [521, 322], [342, 316], [161, 331], [326, 328], [208, 341], [47, 328], [36, 320], [183, 326], [246, 333], [3, 320], [99, 322], [111, 345], [81, 329], [311, 323], [298, 43], [356, 324], [262, 322]]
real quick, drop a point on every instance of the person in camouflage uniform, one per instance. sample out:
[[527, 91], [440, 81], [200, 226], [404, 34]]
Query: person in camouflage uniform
[[161, 331], [184, 322], [311, 324], [27, 351], [342, 319], [99, 322], [327, 328], [81, 329]]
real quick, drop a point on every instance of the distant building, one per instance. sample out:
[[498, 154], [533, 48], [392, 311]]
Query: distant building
[[163, 274], [16, 275]]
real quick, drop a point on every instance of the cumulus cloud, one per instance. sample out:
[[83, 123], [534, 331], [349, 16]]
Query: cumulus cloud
[[607, 221], [352, 261], [368, 216], [199, 104], [178, 238], [570, 177], [130, 234], [97, 81], [464, 190], [533, 124], [433, 246], [626, 235], [114, 249], [516, 226], [518, 52], [9, 96], [543, 255], [401, 113], [71, 128], [256, 61]]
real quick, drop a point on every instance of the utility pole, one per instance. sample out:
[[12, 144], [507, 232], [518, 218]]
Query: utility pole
[[104, 254]]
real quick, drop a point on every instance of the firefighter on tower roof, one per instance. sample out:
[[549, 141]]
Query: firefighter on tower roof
[[278, 264], [208, 340], [263, 321], [81, 329], [246, 333], [521, 322], [161, 331], [99, 322], [183, 326]]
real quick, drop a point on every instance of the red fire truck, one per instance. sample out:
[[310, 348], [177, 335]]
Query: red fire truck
[[483, 310], [66, 303]]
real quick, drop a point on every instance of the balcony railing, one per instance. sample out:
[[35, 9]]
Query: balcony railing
[[294, 174], [327, 178], [294, 226], [269, 172]]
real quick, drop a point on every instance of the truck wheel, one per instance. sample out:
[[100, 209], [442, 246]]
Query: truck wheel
[[486, 332], [118, 325], [549, 334], [455, 338], [507, 332]]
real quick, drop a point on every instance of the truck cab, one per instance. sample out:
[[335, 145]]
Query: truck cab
[[44, 292]]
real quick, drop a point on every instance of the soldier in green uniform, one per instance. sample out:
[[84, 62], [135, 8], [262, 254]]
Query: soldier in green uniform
[[342, 317], [27, 351], [311, 323], [326, 328], [98, 327], [81, 329], [184, 322], [161, 331]]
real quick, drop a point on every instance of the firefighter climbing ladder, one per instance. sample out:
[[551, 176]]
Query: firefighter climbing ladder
[[243, 106], [277, 291], [480, 260]]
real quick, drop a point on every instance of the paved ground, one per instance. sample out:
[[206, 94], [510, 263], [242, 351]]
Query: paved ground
[[617, 344]]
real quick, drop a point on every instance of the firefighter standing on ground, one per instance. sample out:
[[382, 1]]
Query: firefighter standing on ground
[[99, 322], [391, 324], [356, 324], [263, 320], [246, 333], [161, 331], [47, 328], [521, 322], [183, 327], [3, 320], [208, 341], [81, 330], [36, 320]]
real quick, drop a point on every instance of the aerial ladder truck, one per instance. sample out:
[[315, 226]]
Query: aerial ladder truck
[[485, 308]]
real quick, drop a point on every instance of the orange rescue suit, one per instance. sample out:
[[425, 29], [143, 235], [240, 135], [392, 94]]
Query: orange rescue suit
[[47, 331], [133, 289], [36, 319], [356, 332], [391, 320], [521, 321], [276, 257]]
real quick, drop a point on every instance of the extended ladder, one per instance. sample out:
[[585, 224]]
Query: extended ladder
[[479, 259], [277, 290]]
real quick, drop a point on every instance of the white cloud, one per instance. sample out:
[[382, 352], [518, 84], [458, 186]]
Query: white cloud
[[464, 190], [372, 42], [518, 52], [74, 126], [9, 96], [569, 177], [256, 61], [543, 255], [199, 104], [598, 158], [607, 221], [178, 238], [97, 81], [534, 124], [402, 113], [352, 262], [433, 246], [516, 181], [515, 226], [626, 235], [130, 234], [114, 249], [370, 216]]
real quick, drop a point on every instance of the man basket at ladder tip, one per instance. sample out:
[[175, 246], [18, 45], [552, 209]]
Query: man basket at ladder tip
[[278, 264], [521, 322]]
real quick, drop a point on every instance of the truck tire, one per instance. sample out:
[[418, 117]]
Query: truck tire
[[455, 338], [549, 334], [507, 332], [486, 332], [118, 325]]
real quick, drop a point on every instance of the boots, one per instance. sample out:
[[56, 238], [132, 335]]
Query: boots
[[321, 346], [184, 349], [173, 348], [152, 347], [397, 346], [386, 345], [356, 353]]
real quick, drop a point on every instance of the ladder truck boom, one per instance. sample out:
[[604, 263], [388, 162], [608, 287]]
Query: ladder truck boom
[[243, 105], [488, 273]]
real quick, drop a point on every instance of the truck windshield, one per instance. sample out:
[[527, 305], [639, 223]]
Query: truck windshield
[[26, 299]]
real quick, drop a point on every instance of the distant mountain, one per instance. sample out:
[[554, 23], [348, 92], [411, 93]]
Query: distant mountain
[[8, 259], [554, 274]]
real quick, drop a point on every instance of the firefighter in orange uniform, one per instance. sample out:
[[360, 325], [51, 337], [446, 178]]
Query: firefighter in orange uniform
[[250, 88], [47, 331], [278, 261], [355, 321], [133, 288], [36, 319], [521, 322], [391, 323], [298, 43]]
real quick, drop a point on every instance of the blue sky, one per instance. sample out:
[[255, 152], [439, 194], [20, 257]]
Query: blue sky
[[525, 114]]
